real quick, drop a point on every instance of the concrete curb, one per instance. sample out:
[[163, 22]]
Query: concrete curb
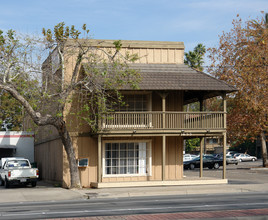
[[260, 169], [170, 190]]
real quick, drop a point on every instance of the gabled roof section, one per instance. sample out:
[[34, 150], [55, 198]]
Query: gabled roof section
[[177, 77]]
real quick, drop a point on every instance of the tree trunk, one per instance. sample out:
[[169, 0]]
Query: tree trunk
[[58, 123], [264, 149], [67, 143]]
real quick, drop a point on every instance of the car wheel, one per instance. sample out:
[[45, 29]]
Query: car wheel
[[216, 165], [236, 164], [7, 183], [192, 166], [33, 184], [240, 160], [253, 159]]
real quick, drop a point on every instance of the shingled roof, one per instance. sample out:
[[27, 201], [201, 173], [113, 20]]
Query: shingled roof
[[177, 77]]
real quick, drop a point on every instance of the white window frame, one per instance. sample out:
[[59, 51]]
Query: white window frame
[[148, 157]]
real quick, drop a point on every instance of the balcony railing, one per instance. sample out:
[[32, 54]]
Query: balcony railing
[[163, 120]]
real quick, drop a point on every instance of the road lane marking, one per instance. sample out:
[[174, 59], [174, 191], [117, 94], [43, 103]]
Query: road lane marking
[[127, 209]]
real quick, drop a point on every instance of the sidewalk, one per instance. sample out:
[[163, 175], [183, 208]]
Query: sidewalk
[[241, 181], [171, 190], [48, 192]]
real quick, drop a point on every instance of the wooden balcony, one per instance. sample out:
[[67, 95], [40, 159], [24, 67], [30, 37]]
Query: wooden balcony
[[164, 122]]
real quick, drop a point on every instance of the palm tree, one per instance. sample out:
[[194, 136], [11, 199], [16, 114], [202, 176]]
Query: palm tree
[[194, 58]]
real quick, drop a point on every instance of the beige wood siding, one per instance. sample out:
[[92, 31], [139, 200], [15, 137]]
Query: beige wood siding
[[174, 101], [147, 51], [49, 157], [174, 165], [155, 55], [157, 159], [52, 157], [88, 149], [85, 147]]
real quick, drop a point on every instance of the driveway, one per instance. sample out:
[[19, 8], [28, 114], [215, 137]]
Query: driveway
[[42, 192]]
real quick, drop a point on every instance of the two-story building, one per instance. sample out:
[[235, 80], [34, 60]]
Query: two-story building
[[141, 143]]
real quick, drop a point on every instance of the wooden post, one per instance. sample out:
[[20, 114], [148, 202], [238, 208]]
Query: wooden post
[[163, 157], [224, 135], [164, 109], [99, 160], [224, 111], [163, 96], [224, 156], [201, 157]]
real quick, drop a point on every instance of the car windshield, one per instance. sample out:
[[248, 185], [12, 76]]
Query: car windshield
[[17, 163], [196, 158]]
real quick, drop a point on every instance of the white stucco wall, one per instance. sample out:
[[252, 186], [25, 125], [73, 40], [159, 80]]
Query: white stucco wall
[[24, 142]]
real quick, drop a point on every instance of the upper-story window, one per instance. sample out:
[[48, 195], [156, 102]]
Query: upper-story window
[[134, 103]]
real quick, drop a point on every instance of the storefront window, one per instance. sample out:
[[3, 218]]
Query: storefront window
[[126, 158]]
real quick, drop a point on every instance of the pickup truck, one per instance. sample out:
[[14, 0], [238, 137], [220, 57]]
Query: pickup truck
[[14, 170]]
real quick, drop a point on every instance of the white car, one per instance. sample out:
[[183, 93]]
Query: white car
[[17, 170], [245, 157], [231, 160], [187, 157]]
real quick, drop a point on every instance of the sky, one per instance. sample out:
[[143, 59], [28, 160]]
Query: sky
[[189, 21]]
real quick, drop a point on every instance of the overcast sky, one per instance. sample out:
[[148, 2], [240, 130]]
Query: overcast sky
[[189, 21]]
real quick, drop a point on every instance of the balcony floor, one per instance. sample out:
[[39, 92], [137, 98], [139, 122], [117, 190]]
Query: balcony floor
[[159, 132]]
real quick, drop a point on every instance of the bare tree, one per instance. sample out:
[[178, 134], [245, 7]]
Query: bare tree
[[96, 74]]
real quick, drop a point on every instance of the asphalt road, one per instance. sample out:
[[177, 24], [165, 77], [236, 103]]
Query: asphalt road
[[134, 206], [240, 174]]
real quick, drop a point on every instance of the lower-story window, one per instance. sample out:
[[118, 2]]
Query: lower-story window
[[129, 158]]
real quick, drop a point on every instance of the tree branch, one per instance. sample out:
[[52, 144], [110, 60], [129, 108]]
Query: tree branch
[[36, 116]]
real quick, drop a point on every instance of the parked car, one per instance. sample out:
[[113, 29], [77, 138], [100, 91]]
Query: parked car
[[17, 171], [208, 161], [217, 155], [231, 160], [245, 157], [236, 155], [187, 157], [231, 153]]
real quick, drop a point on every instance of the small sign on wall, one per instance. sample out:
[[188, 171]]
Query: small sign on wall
[[83, 162]]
